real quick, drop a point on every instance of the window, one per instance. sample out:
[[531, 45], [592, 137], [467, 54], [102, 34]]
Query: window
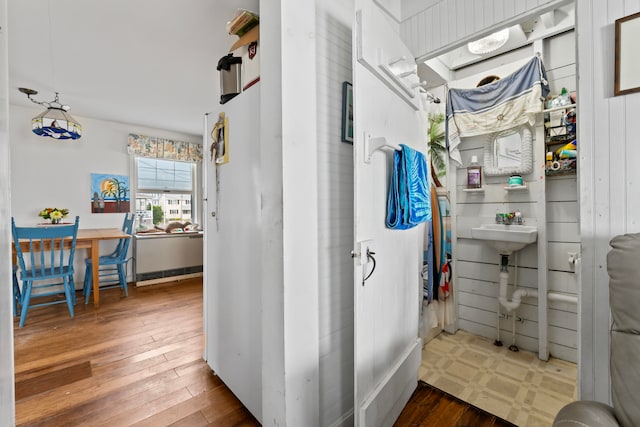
[[161, 187]]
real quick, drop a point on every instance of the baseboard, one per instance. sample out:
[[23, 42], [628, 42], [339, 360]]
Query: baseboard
[[346, 420], [389, 398], [167, 279]]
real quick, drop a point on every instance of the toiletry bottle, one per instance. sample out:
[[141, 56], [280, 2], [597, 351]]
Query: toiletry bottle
[[474, 174]]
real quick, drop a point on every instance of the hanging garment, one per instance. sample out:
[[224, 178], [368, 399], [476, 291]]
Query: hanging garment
[[445, 281], [506, 103], [408, 200], [428, 265], [437, 235]]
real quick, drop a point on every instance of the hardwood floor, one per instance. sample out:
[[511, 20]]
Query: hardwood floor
[[138, 361], [429, 406], [134, 361]]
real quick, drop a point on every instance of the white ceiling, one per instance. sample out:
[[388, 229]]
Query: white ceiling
[[437, 71], [144, 62]]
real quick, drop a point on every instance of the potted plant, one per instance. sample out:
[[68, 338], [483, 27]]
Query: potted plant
[[437, 144], [54, 214]]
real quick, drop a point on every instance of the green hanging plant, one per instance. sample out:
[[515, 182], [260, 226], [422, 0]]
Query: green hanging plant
[[437, 145]]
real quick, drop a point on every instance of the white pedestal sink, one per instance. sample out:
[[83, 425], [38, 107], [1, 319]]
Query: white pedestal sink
[[505, 238]]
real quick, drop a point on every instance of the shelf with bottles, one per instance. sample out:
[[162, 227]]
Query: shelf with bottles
[[559, 135], [569, 169], [560, 142], [558, 107]]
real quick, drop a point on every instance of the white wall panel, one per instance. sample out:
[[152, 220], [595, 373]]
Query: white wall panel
[[458, 26], [607, 131], [7, 395], [299, 212], [335, 214]]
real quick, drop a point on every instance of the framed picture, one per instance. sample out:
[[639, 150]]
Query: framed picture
[[347, 113], [110, 193], [627, 62]]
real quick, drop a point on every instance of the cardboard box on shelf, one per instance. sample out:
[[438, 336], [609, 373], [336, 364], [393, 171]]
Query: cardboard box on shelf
[[242, 22], [248, 48]]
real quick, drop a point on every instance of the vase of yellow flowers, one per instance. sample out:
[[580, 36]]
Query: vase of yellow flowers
[[54, 214]]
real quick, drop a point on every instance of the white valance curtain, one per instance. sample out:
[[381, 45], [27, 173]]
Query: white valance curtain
[[163, 148]]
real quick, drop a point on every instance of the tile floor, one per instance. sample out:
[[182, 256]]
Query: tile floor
[[516, 386]]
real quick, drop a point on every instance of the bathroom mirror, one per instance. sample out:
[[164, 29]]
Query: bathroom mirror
[[509, 152]]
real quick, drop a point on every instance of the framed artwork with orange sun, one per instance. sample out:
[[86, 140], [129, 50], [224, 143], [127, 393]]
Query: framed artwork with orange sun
[[110, 193]]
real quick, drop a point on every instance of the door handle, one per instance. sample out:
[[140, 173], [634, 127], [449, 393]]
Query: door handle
[[370, 257]]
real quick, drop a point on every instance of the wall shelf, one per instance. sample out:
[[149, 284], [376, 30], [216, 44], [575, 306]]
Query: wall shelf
[[522, 187], [561, 107], [473, 190], [560, 172], [387, 58]]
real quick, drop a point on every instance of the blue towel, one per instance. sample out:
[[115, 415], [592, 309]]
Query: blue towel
[[409, 199]]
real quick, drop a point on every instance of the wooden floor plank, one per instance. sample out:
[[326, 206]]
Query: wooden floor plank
[[145, 410], [429, 406], [138, 360], [194, 420], [52, 379]]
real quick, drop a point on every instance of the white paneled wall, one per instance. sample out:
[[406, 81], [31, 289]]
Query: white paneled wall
[[335, 218], [7, 396], [608, 130], [446, 24], [478, 266]]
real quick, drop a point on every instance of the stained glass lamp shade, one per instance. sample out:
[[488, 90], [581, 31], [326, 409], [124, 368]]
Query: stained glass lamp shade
[[56, 123]]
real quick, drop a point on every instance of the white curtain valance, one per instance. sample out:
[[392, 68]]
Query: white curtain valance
[[163, 148]]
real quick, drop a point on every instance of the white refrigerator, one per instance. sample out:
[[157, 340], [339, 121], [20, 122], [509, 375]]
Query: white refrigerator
[[232, 266]]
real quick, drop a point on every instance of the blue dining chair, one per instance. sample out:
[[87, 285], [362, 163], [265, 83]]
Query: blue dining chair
[[112, 267], [49, 260], [17, 295]]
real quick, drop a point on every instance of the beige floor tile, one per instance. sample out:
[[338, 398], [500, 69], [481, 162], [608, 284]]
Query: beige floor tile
[[503, 387], [513, 370], [493, 405], [516, 386]]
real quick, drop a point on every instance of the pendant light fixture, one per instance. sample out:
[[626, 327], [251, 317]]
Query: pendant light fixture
[[55, 121]]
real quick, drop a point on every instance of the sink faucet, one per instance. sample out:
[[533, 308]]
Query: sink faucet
[[517, 218], [509, 218]]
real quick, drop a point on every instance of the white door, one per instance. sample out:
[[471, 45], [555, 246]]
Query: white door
[[232, 287], [386, 105]]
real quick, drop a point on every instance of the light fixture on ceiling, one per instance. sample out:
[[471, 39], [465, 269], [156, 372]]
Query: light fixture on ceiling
[[490, 43], [55, 121]]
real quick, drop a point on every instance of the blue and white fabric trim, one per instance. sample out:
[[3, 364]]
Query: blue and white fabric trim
[[506, 103]]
